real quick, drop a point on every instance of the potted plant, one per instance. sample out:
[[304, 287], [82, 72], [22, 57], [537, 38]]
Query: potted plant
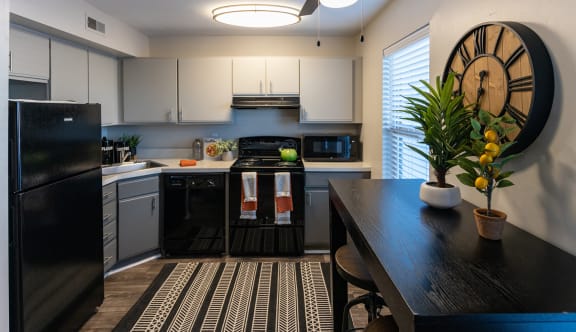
[[485, 172], [445, 122], [132, 142], [225, 147]]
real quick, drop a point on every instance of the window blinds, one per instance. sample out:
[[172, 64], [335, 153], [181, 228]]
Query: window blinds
[[404, 63]]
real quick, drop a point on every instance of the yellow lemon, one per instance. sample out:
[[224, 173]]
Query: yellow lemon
[[481, 183], [492, 149], [491, 136], [485, 159]]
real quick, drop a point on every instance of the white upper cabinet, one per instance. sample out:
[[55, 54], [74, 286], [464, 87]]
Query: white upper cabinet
[[68, 72], [150, 90], [256, 76], [29, 55], [326, 90], [205, 86], [103, 86]]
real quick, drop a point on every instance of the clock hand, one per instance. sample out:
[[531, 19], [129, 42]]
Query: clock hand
[[480, 91]]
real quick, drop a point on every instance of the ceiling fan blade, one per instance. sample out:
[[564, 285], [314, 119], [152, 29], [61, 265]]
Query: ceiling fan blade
[[309, 7]]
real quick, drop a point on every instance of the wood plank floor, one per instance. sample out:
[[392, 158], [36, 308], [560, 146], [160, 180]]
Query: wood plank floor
[[123, 289]]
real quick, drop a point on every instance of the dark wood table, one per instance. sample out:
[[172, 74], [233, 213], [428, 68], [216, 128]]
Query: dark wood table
[[435, 272]]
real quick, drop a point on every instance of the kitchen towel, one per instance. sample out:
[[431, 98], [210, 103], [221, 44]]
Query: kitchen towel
[[249, 195], [283, 197]]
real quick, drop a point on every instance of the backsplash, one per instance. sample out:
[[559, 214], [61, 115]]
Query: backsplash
[[175, 141]]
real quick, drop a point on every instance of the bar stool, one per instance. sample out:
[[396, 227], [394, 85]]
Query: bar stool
[[382, 324], [351, 268]]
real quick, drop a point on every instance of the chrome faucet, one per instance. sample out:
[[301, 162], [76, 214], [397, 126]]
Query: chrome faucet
[[124, 155]]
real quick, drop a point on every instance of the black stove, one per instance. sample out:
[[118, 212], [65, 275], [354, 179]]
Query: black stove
[[262, 234], [261, 153]]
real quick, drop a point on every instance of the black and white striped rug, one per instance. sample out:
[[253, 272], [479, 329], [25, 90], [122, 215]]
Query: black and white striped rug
[[235, 296]]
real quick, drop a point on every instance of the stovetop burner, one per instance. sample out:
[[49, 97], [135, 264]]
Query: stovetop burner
[[286, 163], [266, 163]]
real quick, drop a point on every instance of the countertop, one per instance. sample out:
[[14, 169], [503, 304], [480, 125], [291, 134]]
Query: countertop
[[203, 166]]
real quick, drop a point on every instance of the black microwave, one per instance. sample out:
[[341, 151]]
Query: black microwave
[[331, 148]]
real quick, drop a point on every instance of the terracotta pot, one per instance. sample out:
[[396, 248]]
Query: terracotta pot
[[490, 227]]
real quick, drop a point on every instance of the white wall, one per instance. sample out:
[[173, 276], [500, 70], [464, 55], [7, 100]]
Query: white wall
[[4, 263], [250, 46], [543, 201], [66, 18]]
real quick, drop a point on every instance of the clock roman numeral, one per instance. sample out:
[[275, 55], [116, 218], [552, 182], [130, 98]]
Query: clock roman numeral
[[457, 75], [464, 55], [516, 114], [498, 39], [521, 84], [515, 56], [480, 40]]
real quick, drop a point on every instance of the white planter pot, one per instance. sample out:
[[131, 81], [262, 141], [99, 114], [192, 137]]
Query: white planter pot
[[228, 155], [441, 198]]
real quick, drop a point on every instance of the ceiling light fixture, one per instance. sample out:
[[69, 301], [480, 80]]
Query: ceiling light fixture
[[337, 3], [256, 16]]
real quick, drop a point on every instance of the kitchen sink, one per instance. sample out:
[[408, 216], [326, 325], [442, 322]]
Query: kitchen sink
[[129, 166]]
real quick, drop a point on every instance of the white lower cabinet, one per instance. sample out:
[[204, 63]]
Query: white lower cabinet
[[138, 216], [109, 225], [317, 220]]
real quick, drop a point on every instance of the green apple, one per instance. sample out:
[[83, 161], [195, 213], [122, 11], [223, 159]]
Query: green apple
[[288, 154]]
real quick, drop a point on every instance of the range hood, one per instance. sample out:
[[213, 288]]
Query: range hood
[[278, 102]]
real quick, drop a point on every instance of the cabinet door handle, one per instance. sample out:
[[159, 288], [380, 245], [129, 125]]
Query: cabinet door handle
[[153, 206], [10, 61]]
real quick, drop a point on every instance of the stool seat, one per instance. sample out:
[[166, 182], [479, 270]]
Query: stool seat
[[350, 266], [382, 324]]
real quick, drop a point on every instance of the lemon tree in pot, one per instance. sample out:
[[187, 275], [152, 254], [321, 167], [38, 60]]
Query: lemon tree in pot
[[445, 123], [484, 171]]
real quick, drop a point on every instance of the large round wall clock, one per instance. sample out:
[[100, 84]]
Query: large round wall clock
[[504, 68]]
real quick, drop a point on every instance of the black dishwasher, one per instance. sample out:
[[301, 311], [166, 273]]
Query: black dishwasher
[[194, 214]]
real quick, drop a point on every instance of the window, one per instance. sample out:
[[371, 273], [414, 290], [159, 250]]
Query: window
[[404, 63]]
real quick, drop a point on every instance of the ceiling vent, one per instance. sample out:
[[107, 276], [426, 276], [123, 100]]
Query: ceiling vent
[[95, 25]]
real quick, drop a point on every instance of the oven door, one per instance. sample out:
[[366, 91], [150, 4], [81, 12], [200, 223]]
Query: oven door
[[263, 236]]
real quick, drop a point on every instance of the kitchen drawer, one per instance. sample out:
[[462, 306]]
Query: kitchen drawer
[[109, 212], [320, 179], [109, 233], [109, 193], [137, 187], [110, 255]]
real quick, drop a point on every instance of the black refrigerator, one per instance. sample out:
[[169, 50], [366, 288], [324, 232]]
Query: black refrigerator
[[56, 256]]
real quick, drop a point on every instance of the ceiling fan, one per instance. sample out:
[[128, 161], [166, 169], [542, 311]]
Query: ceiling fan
[[310, 5]]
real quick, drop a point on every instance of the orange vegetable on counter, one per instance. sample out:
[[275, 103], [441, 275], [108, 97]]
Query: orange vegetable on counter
[[187, 162]]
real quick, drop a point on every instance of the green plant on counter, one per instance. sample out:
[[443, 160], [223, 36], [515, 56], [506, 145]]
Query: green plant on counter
[[226, 145], [131, 140]]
